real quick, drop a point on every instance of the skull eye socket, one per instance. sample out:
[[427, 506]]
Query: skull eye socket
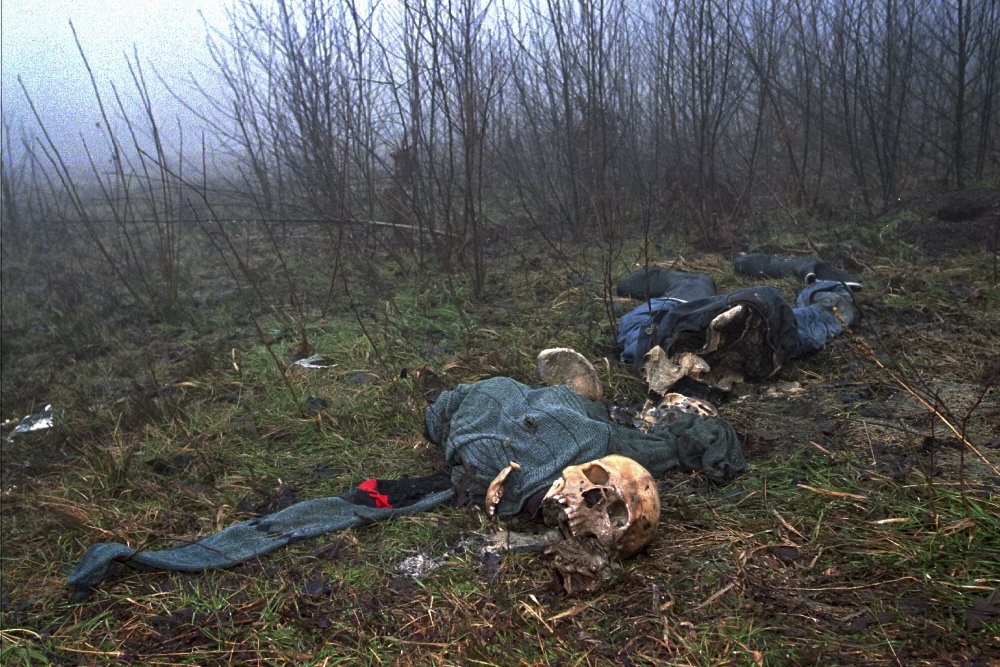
[[618, 513], [597, 475], [593, 497]]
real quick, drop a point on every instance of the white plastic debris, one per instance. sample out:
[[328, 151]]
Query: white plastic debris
[[419, 565], [504, 541], [36, 422], [478, 546], [312, 361]]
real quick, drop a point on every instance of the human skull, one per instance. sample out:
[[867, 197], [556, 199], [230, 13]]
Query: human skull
[[606, 510]]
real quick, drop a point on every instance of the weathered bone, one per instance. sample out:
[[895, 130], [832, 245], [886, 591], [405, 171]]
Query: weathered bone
[[671, 407], [494, 492], [662, 372], [563, 365]]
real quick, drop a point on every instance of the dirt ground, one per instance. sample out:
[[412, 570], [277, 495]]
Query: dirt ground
[[865, 532]]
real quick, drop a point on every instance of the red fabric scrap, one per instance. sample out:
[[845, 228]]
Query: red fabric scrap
[[370, 486]]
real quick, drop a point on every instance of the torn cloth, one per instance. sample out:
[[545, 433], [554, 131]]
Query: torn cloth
[[370, 486], [245, 540], [485, 426]]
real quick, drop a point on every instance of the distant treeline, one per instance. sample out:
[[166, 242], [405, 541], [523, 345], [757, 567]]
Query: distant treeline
[[583, 117], [581, 111]]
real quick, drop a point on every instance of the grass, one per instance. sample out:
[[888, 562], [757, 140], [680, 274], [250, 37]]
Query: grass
[[848, 542]]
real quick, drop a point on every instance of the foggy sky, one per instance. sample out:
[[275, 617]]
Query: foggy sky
[[37, 44]]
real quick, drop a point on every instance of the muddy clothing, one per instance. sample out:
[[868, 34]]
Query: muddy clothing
[[768, 333], [482, 427], [685, 327], [822, 311], [806, 269], [486, 425], [666, 284], [243, 541]]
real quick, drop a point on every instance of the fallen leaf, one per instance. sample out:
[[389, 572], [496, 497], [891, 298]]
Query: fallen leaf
[[786, 554], [324, 471], [913, 608], [982, 611], [175, 464], [316, 404], [315, 588], [330, 551], [861, 623]]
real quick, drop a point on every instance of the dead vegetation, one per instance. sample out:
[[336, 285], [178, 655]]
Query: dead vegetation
[[417, 231], [866, 531]]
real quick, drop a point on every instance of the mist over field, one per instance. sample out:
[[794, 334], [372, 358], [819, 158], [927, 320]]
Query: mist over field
[[37, 46], [710, 104]]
